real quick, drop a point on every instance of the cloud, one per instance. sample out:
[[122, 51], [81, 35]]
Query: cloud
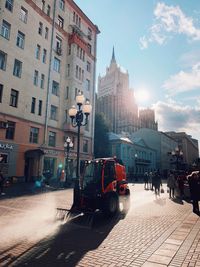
[[169, 20], [175, 117], [183, 81]]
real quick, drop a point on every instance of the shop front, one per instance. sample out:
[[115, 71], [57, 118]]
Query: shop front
[[8, 158]]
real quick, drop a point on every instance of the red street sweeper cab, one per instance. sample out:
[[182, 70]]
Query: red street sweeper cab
[[102, 186]]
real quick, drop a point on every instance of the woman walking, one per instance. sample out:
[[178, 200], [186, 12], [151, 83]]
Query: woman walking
[[171, 183]]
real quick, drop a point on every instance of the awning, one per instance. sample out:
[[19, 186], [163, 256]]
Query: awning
[[34, 153]]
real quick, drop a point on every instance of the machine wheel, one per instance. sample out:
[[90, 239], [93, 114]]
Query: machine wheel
[[111, 205]]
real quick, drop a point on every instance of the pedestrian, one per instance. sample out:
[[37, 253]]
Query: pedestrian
[[146, 180], [150, 181], [157, 182], [180, 182], [171, 183], [194, 185], [2, 180]]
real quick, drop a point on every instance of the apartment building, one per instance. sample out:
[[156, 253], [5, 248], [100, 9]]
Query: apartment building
[[47, 55]]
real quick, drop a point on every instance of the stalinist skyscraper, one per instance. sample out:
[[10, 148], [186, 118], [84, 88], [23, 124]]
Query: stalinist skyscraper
[[115, 99]]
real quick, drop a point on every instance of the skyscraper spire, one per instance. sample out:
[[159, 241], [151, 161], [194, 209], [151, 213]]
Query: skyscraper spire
[[113, 60]]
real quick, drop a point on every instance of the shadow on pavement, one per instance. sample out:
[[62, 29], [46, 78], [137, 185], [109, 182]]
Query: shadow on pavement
[[24, 189], [70, 244], [178, 200]]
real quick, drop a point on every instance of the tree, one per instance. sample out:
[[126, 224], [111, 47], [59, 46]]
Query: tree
[[101, 141]]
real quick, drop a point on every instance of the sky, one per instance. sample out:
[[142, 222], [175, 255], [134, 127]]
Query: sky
[[158, 43]]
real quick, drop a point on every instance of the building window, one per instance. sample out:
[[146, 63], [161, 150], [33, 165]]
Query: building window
[[14, 98], [53, 114], [60, 22], [35, 78], [55, 88], [88, 66], [85, 146], [77, 19], [46, 34], [20, 39], [48, 10], [37, 52], [23, 14], [52, 139], [56, 64], [42, 81], [33, 105], [43, 5], [77, 71], [62, 4], [40, 28], [76, 93], [82, 75], [89, 48], [87, 126], [68, 70], [67, 92], [10, 131], [44, 56], [1, 92], [89, 34], [17, 70], [5, 29], [9, 5], [69, 49], [87, 85], [3, 59], [58, 47], [34, 134], [40, 108]]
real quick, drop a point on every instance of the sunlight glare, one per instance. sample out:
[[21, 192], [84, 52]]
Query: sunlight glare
[[141, 95]]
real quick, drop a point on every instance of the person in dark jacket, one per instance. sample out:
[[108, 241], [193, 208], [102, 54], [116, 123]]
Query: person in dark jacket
[[1, 184], [157, 182], [194, 185]]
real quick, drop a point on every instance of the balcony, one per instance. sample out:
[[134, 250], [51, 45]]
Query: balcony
[[142, 161], [67, 127]]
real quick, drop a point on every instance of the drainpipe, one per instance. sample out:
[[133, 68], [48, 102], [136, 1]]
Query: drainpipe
[[49, 77], [94, 92]]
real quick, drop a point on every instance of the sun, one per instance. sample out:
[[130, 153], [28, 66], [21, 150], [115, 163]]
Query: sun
[[141, 95]]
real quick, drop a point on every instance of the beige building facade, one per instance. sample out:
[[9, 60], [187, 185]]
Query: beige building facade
[[47, 55]]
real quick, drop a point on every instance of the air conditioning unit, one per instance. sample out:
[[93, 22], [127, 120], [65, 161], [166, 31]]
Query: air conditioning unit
[[58, 50]]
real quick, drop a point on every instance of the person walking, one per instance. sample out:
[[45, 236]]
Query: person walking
[[146, 181], [171, 183], [180, 182], [194, 185], [2, 183], [157, 182]]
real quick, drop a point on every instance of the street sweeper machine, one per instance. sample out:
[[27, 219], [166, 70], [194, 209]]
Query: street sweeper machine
[[102, 186]]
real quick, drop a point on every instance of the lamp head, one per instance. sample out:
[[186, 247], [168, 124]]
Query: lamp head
[[71, 144], [80, 99], [87, 108], [68, 140], [72, 112]]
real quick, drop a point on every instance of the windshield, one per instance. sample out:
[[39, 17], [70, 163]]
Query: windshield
[[93, 172]]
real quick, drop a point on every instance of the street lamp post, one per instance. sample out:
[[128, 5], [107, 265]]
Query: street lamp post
[[77, 120], [178, 155], [136, 157], [67, 146]]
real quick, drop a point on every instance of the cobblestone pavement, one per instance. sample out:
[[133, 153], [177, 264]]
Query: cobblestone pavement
[[156, 232]]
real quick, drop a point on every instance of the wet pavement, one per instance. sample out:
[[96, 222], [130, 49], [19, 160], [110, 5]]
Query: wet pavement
[[157, 231]]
